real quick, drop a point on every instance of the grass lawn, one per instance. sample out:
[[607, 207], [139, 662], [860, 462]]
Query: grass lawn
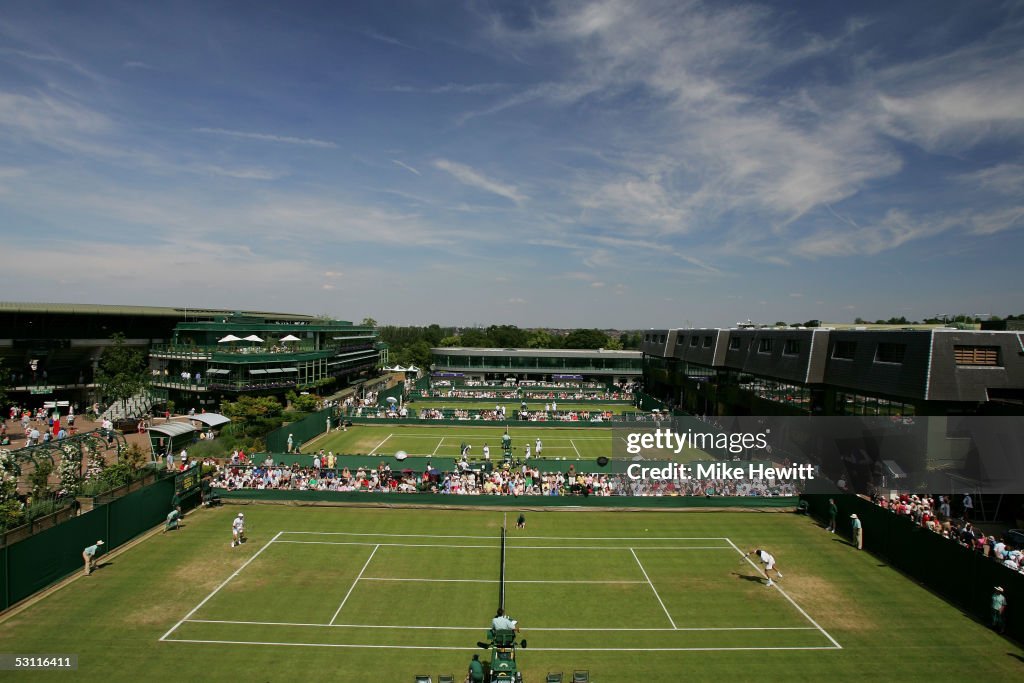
[[355, 594]]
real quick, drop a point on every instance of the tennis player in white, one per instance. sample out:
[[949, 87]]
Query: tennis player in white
[[769, 564], [238, 530]]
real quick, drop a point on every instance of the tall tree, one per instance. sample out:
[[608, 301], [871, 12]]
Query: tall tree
[[122, 371], [368, 322], [586, 339], [507, 336]]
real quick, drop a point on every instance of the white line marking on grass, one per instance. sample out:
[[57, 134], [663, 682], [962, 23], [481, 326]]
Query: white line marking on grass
[[786, 595], [382, 578], [573, 444], [477, 628], [540, 538], [438, 446], [353, 586], [474, 649], [224, 583], [380, 444], [513, 547], [477, 436], [640, 564]]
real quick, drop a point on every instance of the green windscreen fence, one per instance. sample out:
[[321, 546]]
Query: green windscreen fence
[[302, 431], [963, 577], [396, 392], [34, 563]]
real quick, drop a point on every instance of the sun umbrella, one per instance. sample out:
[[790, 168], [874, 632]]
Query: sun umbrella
[[290, 337], [229, 338], [253, 338], [392, 399]]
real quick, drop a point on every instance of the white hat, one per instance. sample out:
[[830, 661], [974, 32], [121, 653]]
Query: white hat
[[999, 589], [241, 515], [853, 516], [99, 542]]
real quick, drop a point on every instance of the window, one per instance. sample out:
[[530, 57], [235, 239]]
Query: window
[[734, 344], [976, 355], [694, 340], [890, 353], [792, 347], [647, 337], [764, 346], [844, 350], [661, 339], [707, 342]]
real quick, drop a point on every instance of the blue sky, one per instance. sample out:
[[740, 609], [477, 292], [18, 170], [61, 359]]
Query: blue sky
[[610, 164]]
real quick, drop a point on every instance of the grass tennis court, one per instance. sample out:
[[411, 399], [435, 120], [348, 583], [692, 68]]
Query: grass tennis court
[[512, 406], [355, 594], [569, 443], [445, 441]]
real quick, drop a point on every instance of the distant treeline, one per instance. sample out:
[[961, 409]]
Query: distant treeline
[[411, 345]]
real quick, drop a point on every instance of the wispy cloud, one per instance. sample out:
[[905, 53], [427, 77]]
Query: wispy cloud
[[473, 178], [406, 166], [268, 137], [449, 88], [384, 38], [136, 65]]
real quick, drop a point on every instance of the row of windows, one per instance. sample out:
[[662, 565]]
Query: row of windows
[[859, 404], [654, 338]]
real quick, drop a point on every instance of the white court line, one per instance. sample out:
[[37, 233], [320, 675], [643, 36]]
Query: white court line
[[380, 444], [575, 449], [477, 628], [353, 586], [786, 595], [513, 547], [474, 649], [441, 441], [640, 564], [495, 581], [224, 583], [542, 538]]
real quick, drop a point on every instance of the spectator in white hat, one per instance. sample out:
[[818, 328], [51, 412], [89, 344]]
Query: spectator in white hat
[[858, 532]]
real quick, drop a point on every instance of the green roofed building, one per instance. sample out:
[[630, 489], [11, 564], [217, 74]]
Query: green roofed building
[[197, 356], [615, 367]]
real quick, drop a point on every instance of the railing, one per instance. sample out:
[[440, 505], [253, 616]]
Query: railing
[[250, 351], [589, 370]]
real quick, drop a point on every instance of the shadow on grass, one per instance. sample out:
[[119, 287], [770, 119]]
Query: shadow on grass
[[1016, 656], [755, 578]]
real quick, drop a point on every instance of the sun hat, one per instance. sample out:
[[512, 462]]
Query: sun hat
[[99, 542], [853, 516]]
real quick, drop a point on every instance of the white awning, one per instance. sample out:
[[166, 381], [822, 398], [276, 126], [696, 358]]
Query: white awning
[[257, 372], [172, 429], [217, 371], [274, 371], [289, 369], [211, 419]]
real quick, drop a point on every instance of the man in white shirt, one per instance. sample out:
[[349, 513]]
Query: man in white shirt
[[238, 530], [769, 564]]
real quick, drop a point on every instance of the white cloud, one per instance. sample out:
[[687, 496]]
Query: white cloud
[[406, 166], [473, 178], [268, 137]]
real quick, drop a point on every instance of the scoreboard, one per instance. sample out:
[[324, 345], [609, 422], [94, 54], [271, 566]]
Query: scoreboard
[[187, 483]]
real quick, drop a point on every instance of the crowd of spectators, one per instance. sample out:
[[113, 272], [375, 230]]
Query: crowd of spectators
[[935, 514], [508, 479]]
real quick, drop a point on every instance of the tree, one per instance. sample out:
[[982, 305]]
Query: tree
[[251, 408], [586, 339], [506, 336], [614, 345], [122, 372], [474, 337], [368, 322], [540, 339], [450, 341]]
